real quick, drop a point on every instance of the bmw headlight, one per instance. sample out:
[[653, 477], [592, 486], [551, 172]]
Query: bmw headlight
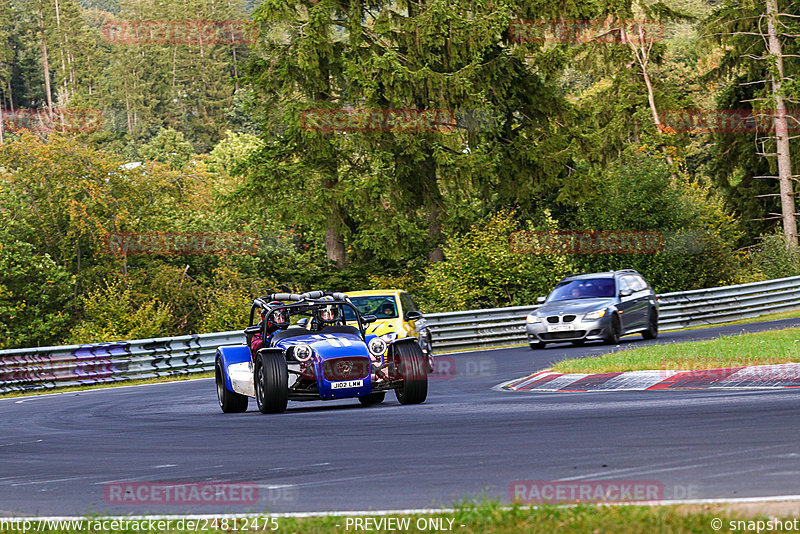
[[591, 316], [377, 346], [389, 337], [532, 319], [303, 352]]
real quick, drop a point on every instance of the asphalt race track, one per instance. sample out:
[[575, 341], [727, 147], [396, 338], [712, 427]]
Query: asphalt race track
[[58, 452]]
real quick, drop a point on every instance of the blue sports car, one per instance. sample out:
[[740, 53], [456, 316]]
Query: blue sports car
[[303, 349]]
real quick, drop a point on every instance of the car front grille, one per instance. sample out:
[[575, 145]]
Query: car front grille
[[347, 368], [554, 319]]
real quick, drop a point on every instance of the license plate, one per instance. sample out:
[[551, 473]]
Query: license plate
[[560, 328], [347, 384]]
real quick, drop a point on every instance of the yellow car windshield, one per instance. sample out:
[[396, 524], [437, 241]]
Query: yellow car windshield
[[383, 307]]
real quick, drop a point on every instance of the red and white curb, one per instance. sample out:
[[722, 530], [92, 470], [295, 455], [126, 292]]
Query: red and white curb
[[786, 375]]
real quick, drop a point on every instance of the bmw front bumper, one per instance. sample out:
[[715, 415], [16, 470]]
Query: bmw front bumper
[[557, 328]]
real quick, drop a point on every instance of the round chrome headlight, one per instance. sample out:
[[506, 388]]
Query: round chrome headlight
[[303, 352], [377, 346]]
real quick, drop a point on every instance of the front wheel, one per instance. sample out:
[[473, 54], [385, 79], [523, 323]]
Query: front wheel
[[614, 331], [413, 369], [229, 401], [652, 326], [271, 382], [372, 398]]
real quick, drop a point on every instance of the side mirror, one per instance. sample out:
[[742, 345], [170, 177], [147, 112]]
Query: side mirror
[[540, 300], [368, 319], [625, 293], [303, 322], [413, 315]]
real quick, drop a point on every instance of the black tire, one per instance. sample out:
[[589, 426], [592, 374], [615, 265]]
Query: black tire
[[579, 342], [229, 401], [372, 398], [652, 326], [612, 338], [537, 345], [271, 382], [413, 369]]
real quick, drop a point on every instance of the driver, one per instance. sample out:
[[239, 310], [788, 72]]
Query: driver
[[278, 320], [325, 317], [387, 309]]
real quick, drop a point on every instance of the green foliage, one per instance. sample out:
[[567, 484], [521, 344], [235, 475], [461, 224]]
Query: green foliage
[[233, 150], [170, 147], [481, 269], [640, 192], [772, 259], [113, 314], [35, 295]]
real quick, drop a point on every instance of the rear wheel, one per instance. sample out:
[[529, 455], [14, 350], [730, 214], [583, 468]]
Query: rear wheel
[[271, 382], [614, 331], [372, 398], [413, 369], [652, 326], [229, 401]]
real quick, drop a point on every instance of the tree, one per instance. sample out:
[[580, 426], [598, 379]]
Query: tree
[[758, 44]]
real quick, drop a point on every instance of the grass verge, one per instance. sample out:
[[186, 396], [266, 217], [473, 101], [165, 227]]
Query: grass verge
[[760, 348], [484, 518]]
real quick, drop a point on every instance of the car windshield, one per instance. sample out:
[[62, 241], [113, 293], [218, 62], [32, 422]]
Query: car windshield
[[583, 289], [382, 307]]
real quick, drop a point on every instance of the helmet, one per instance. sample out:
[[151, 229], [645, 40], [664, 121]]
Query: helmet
[[329, 314], [279, 318]]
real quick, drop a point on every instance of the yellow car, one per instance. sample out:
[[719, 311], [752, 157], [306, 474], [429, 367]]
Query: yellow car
[[397, 315]]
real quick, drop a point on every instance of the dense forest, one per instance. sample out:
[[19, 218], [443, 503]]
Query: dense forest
[[161, 163]]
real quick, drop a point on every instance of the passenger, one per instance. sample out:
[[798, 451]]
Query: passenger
[[278, 320]]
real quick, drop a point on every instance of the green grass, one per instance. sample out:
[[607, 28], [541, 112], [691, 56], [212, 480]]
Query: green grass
[[493, 518], [761, 348]]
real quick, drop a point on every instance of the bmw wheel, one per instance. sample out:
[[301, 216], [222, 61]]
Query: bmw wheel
[[614, 331], [652, 326]]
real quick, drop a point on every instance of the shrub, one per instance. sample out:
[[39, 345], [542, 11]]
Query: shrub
[[112, 314]]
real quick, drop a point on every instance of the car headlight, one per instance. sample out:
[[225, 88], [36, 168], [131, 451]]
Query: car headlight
[[389, 337], [532, 319], [594, 315], [303, 352], [376, 346]]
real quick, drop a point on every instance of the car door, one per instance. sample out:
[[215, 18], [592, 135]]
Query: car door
[[627, 303], [640, 299]]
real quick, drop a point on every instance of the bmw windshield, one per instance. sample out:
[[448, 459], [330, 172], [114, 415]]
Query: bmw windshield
[[583, 289]]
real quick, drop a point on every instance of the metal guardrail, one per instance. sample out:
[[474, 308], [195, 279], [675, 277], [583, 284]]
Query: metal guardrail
[[506, 326], [47, 367]]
